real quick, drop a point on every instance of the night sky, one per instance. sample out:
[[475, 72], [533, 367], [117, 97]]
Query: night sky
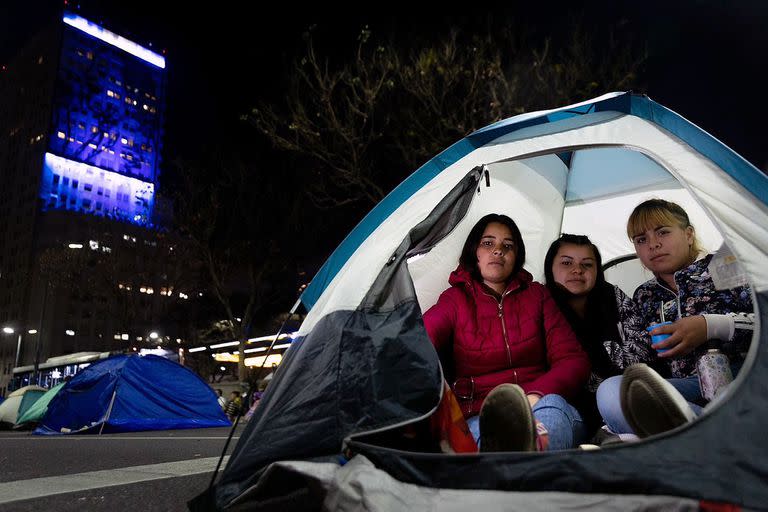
[[707, 59]]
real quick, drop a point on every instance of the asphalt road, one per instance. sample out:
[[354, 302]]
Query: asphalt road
[[134, 471]]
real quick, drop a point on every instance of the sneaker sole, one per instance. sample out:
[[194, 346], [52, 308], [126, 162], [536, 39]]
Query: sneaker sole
[[650, 404], [506, 421]]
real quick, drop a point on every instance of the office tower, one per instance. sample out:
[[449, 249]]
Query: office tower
[[81, 114]]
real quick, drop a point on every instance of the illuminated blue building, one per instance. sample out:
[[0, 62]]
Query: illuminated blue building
[[106, 130], [81, 128]]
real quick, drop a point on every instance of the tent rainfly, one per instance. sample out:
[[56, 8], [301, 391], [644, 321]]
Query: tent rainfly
[[36, 412], [18, 403], [362, 363], [129, 393]]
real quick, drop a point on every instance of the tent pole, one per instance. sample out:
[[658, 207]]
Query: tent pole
[[279, 332], [224, 451], [237, 420], [109, 411]]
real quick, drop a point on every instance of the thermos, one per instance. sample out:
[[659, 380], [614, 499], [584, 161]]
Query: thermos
[[714, 371]]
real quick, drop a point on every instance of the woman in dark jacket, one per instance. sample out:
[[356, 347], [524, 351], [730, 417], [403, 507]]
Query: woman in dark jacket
[[605, 320], [516, 359]]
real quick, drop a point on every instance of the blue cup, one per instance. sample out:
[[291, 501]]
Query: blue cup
[[658, 338]]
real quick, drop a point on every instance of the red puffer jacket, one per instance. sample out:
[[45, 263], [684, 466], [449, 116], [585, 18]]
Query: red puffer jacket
[[524, 339]]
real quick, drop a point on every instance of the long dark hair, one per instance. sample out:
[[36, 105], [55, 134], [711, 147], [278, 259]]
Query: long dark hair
[[468, 258], [581, 240], [601, 317]]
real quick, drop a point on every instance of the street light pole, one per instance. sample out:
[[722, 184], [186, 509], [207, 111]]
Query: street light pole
[[38, 341], [18, 351]]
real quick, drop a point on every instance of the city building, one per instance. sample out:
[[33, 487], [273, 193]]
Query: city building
[[85, 265]]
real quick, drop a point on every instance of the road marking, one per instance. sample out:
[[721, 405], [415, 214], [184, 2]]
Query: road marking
[[48, 486], [113, 436]]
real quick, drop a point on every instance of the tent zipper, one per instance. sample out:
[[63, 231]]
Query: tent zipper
[[504, 329], [503, 326]]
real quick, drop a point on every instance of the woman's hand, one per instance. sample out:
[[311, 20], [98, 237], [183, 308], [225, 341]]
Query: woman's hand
[[532, 399], [687, 334]]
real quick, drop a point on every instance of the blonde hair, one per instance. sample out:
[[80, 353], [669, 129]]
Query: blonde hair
[[658, 212]]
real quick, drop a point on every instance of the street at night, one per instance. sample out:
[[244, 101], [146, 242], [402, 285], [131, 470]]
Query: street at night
[[432, 257], [159, 470]]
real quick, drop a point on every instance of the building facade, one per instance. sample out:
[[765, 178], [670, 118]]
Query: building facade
[[84, 264]]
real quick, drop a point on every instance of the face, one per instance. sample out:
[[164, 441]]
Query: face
[[664, 249], [575, 268], [496, 255]]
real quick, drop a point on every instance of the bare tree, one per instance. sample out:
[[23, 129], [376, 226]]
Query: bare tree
[[335, 118], [360, 126], [237, 217]]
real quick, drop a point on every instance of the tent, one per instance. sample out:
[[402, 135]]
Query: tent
[[18, 403], [128, 393], [36, 412], [361, 364]]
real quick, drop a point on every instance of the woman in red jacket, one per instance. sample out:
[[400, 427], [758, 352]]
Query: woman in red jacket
[[516, 360]]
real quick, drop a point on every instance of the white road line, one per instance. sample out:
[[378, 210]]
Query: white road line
[[48, 486], [113, 436]]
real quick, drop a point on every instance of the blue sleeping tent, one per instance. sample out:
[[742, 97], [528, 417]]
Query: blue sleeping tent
[[129, 393]]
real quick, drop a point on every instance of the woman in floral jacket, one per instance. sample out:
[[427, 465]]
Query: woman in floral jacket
[[683, 293]]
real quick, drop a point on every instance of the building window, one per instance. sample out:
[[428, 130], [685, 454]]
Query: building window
[[56, 178], [86, 203], [75, 183], [87, 187], [65, 181]]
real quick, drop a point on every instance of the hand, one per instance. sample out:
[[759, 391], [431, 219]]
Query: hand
[[532, 399], [687, 334]]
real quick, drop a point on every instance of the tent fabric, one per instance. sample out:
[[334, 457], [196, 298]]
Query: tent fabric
[[362, 363], [18, 402], [36, 412], [346, 487], [129, 393]]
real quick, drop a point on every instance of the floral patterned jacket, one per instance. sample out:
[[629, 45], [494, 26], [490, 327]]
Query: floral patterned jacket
[[697, 295], [635, 343]]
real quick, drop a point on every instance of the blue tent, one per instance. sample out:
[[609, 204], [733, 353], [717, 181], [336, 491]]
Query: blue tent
[[130, 393]]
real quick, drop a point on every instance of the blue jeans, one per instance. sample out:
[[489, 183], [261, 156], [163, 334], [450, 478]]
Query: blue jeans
[[563, 422], [609, 403]]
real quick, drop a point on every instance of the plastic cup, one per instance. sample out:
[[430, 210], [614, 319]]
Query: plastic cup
[[658, 338]]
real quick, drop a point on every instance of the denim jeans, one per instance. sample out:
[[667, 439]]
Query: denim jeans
[[564, 424], [609, 402]]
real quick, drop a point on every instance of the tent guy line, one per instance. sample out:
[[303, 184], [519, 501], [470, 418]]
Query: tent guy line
[[48, 486]]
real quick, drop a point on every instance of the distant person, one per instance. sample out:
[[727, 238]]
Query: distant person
[[234, 407], [683, 295], [261, 386], [220, 397], [515, 359]]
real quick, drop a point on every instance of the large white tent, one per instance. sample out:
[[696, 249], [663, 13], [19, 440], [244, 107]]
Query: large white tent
[[362, 363]]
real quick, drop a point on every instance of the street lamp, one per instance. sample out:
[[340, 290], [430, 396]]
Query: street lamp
[[10, 330], [153, 335]]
